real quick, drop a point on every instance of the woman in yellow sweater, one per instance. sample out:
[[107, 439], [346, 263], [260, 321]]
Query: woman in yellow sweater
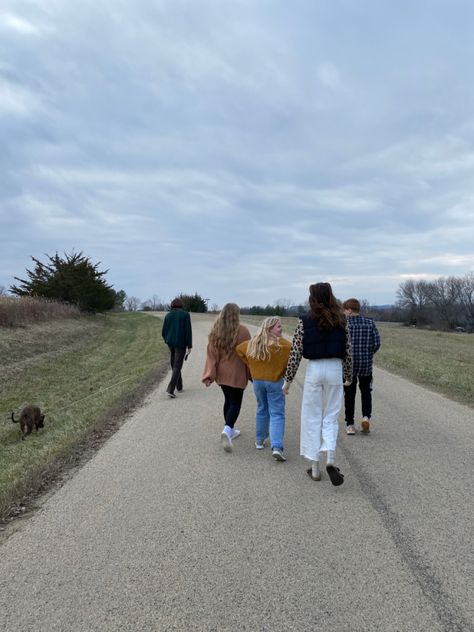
[[266, 355]]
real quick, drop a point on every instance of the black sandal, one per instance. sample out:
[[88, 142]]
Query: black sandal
[[335, 474], [309, 472]]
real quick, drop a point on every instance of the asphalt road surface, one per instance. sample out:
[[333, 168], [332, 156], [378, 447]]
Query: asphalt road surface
[[163, 530]]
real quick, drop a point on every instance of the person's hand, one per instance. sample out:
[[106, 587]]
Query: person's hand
[[207, 382], [346, 383], [285, 388]]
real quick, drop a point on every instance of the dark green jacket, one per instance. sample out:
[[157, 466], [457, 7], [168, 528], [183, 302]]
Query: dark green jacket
[[177, 328]]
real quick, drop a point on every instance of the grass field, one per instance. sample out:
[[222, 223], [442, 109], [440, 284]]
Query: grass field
[[441, 361], [78, 371]]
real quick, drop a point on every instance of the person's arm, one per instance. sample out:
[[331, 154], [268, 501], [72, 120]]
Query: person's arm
[[164, 329], [347, 363], [188, 334], [241, 351], [296, 353], [210, 368], [375, 338]]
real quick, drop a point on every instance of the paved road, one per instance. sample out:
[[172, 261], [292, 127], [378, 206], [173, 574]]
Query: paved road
[[162, 530]]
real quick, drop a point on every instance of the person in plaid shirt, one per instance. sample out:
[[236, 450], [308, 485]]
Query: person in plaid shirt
[[365, 342]]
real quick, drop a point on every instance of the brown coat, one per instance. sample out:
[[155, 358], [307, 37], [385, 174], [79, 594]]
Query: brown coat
[[230, 371]]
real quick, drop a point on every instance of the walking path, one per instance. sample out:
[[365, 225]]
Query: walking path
[[163, 530]]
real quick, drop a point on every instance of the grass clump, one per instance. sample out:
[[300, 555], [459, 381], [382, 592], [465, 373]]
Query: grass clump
[[78, 371]]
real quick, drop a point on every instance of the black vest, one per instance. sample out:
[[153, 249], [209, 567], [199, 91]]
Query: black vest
[[318, 343]]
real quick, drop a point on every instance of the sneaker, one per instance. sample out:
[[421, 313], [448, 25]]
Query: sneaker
[[235, 433], [350, 430], [172, 395], [277, 454], [226, 441], [365, 425], [259, 445]]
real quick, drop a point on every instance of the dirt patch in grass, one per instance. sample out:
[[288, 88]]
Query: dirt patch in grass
[[42, 483]]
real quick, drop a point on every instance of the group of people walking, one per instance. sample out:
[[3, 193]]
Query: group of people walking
[[336, 340]]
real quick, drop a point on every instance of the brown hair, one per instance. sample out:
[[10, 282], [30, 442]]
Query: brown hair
[[324, 307], [176, 302], [224, 332], [353, 304]]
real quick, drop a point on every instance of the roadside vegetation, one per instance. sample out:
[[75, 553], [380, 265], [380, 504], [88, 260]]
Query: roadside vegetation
[[440, 361], [83, 372]]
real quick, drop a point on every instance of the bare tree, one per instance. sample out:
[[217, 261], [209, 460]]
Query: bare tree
[[444, 294], [466, 297], [131, 303], [3, 290]]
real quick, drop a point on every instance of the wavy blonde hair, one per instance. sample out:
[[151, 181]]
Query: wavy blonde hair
[[225, 330], [258, 346]]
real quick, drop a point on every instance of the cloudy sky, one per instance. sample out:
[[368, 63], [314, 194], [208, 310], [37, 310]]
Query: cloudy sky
[[239, 148]]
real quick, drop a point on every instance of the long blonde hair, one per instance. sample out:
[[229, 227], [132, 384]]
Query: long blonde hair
[[225, 330], [258, 346]]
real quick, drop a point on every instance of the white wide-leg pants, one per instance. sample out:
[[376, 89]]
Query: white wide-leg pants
[[322, 401]]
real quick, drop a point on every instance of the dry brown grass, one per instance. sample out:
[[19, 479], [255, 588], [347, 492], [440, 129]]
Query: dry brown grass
[[21, 311]]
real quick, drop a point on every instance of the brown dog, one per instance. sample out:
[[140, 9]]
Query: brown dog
[[30, 416]]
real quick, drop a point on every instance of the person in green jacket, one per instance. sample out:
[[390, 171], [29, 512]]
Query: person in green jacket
[[177, 333]]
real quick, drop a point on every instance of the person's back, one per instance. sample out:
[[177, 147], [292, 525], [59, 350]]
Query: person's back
[[177, 333], [177, 328], [365, 342]]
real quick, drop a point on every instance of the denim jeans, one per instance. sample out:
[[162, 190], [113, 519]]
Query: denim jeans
[[270, 418]]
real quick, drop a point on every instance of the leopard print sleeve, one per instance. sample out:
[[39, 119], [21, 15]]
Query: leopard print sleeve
[[347, 363], [296, 353]]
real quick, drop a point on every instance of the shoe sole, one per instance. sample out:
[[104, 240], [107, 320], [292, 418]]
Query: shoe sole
[[278, 457], [350, 433], [365, 427], [259, 446], [335, 475], [309, 472], [171, 395], [226, 442]]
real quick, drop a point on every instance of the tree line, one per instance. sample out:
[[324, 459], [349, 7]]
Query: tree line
[[445, 303]]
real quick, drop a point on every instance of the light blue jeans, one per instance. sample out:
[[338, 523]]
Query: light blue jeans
[[270, 419]]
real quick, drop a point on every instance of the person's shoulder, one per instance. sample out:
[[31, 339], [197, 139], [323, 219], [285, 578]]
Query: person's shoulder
[[285, 343]]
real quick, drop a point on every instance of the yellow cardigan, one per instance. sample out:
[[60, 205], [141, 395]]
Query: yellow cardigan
[[271, 370]]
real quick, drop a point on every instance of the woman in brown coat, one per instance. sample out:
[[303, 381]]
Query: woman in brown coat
[[224, 367]]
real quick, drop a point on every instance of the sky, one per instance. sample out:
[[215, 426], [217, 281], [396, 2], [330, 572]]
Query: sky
[[240, 149]]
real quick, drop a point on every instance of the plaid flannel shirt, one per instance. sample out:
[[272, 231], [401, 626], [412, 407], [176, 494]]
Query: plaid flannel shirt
[[365, 342]]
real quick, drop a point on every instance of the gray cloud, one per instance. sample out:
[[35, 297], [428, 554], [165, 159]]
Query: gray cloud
[[239, 149]]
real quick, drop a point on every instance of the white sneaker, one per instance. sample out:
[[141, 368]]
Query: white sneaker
[[259, 445], [226, 441], [277, 454], [235, 433]]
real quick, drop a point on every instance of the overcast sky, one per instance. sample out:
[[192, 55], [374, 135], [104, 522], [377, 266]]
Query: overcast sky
[[242, 149]]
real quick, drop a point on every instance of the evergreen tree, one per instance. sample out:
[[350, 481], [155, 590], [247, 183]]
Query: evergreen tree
[[72, 279]]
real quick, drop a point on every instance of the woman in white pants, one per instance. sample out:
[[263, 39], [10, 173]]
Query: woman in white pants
[[323, 338]]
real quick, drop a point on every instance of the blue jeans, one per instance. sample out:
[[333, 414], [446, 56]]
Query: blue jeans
[[270, 419]]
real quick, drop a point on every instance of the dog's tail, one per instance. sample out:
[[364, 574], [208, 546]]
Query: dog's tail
[[15, 421]]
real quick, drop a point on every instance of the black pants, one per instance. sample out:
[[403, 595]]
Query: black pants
[[176, 359], [232, 403], [365, 387]]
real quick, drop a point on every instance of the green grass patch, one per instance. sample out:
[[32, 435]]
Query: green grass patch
[[441, 361], [77, 371]]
